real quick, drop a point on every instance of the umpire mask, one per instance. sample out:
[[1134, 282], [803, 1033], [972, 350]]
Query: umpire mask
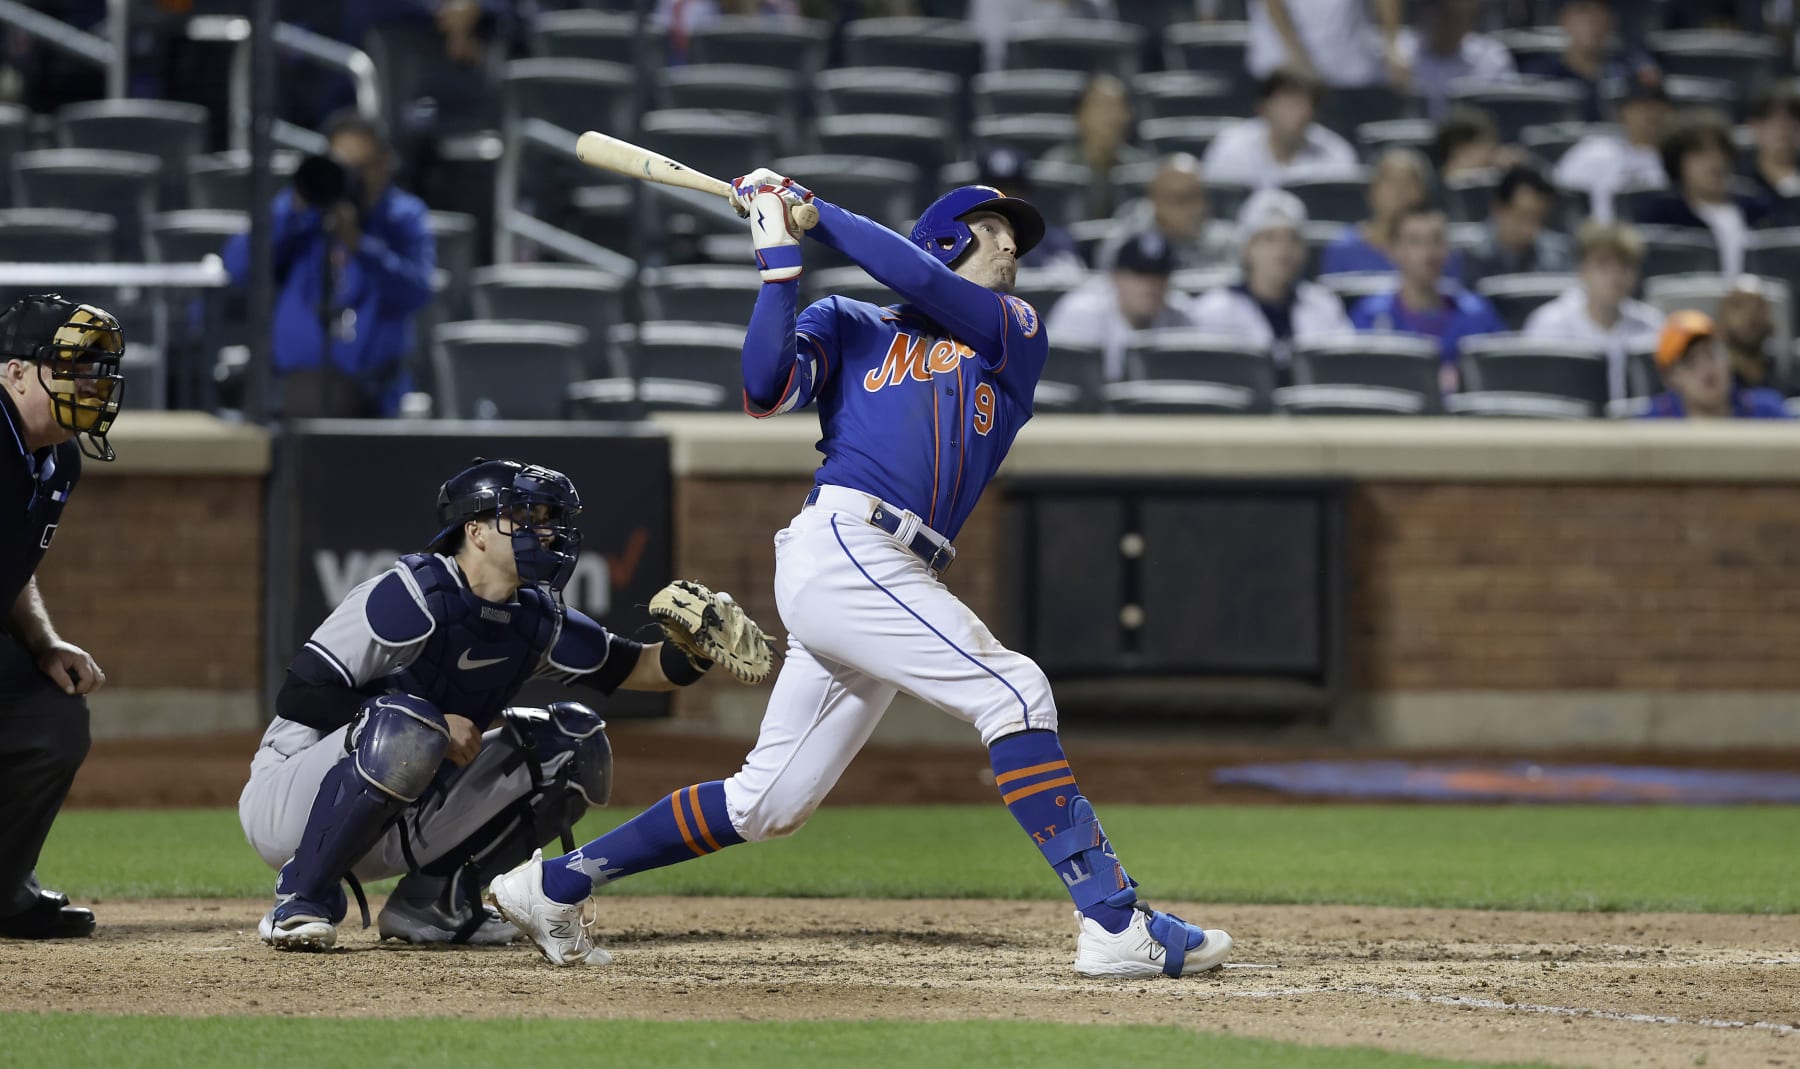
[[77, 349]]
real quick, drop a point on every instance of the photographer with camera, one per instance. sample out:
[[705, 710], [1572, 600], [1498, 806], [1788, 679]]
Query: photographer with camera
[[353, 263]]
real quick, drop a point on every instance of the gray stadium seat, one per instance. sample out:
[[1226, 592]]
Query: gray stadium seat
[[1197, 280], [1030, 135], [789, 44], [172, 131], [1060, 190], [924, 143], [1495, 404], [56, 235], [411, 65], [1081, 45], [884, 190], [1207, 47], [1172, 398], [573, 94], [1353, 286], [1675, 250], [851, 282], [1374, 138], [928, 94], [613, 399], [556, 293], [1341, 108], [221, 181], [187, 236], [946, 45], [1744, 59], [1467, 197], [1549, 141], [1349, 400], [1515, 297], [1704, 291], [453, 233], [1775, 254], [1335, 198], [700, 293], [610, 36], [1178, 94], [1091, 235], [1390, 361], [735, 87], [1183, 355], [1028, 92], [723, 144], [1628, 204], [506, 369], [1516, 105], [1185, 134], [689, 365], [1073, 378], [1509, 363], [121, 184], [1688, 91]]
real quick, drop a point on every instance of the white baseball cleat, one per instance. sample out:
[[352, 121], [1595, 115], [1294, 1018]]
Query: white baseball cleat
[[427, 922], [1144, 948], [299, 931], [560, 931]]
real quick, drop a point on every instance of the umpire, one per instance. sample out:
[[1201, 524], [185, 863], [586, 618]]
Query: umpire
[[60, 390]]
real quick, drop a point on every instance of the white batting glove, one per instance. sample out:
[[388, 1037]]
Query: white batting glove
[[763, 180], [777, 242]]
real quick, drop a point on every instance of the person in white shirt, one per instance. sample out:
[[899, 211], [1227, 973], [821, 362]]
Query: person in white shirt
[[1175, 205], [1602, 164], [1133, 296], [1446, 47], [1282, 141], [1332, 40], [1273, 304], [1697, 155], [1601, 308]]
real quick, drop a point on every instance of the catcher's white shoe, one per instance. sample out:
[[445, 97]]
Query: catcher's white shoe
[[1153, 944], [299, 931], [560, 931], [428, 922]]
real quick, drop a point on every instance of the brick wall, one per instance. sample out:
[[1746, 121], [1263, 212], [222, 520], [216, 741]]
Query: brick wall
[[160, 578], [1575, 587]]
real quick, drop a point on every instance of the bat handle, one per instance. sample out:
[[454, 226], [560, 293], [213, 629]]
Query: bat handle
[[804, 216]]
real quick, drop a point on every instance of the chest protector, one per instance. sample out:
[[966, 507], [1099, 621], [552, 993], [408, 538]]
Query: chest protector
[[477, 654]]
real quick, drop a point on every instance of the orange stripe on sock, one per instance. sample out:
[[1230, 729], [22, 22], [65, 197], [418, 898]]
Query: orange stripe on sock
[[1036, 788], [700, 816], [681, 822], [1020, 773]]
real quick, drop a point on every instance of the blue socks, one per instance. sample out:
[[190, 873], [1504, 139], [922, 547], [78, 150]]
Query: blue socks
[[690, 823], [1037, 785]]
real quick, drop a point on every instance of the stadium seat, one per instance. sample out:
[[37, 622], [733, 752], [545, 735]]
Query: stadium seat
[[851, 282], [1674, 250], [1744, 59], [1774, 253], [1029, 135], [454, 235], [1515, 297], [718, 143], [610, 36], [121, 184], [928, 94], [555, 293], [412, 66], [572, 94], [924, 143], [56, 235], [1130, 180], [221, 181], [1338, 198], [1081, 45], [1206, 47], [1178, 398], [1517, 406], [189, 235], [1164, 357], [946, 45], [1549, 141], [700, 293], [1628, 204], [1342, 108], [1177, 94], [883, 190], [734, 87], [1704, 291], [1195, 281], [1072, 380], [1516, 105], [1510, 363], [1391, 361], [1192, 135], [1467, 197], [611, 399], [1042, 287], [1028, 92], [795, 45], [1353, 286], [1641, 377], [1060, 190], [172, 131], [1349, 400], [506, 369], [689, 365], [1688, 91], [1374, 138]]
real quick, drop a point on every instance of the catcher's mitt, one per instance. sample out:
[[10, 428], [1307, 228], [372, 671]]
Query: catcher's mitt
[[713, 627]]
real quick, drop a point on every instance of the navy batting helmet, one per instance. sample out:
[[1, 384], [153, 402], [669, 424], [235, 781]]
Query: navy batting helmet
[[941, 232], [539, 504]]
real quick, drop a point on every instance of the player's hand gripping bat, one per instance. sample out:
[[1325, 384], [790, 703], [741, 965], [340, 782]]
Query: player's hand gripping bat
[[622, 157]]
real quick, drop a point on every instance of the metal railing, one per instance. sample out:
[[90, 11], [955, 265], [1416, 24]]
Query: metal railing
[[110, 54], [509, 222], [294, 41]]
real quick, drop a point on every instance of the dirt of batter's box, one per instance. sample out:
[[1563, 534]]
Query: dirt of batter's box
[[650, 761], [1602, 990]]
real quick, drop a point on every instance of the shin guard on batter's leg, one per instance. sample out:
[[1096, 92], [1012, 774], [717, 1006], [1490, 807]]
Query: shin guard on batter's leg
[[1037, 785], [690, 823]]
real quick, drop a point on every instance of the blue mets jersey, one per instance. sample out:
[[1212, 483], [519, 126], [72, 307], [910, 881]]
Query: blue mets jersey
[[918, 402]]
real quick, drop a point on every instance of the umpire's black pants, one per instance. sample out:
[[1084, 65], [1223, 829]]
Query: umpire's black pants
[[43, 739]]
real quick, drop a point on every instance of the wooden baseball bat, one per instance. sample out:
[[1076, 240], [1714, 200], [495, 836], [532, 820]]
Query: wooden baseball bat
[[622, 157]]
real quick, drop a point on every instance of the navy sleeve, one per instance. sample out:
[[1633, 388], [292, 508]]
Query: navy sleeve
[[315, 695], [621, 657]]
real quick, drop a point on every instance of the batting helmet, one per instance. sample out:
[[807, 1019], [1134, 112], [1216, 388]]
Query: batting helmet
[[77, 348], [941, 231], [545, 544]]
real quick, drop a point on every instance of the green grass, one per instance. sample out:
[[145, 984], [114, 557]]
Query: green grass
[[83, 1041], [1718, 859]]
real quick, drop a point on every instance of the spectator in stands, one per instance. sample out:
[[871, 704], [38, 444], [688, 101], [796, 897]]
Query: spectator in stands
[[1697, 155], [1400, 182], [1445, 48], [1466, 143], [993, 20], [1175, 206], [1006, 170], [1602, 164], [1774, 114], [1102, 139], [681, 18], [1746, 324], [1425, 301], [1272, 305], [351, 273], [1587, 59], [1331, 41], [1282, 141], [1697, 373], [1133, 295], [1516, 237], [1601, 309]]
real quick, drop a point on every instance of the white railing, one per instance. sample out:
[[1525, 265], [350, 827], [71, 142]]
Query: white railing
[[295, 41]]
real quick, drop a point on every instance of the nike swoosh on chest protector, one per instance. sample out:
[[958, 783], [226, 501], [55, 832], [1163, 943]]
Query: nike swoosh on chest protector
[[466, 664]]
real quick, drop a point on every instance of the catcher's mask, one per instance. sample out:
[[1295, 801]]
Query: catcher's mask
[[535, 506], [77, 349]]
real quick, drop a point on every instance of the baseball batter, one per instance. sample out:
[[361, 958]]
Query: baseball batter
[[919, 403], [395, 749]]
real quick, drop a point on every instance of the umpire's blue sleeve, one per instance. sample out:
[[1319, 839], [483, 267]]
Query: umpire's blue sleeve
[[784, 356]]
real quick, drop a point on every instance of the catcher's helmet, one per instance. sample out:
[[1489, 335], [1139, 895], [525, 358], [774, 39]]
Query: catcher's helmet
[[941, 232], [77, 349], [545, 545]]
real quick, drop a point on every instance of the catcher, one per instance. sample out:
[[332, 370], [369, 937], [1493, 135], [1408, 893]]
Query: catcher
[[394, 750]]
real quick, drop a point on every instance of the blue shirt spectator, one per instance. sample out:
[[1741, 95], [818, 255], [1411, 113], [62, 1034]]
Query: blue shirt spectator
[[1399, 182], [1746, 403], [1424, 302], [376, 247], [1587, 60]]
